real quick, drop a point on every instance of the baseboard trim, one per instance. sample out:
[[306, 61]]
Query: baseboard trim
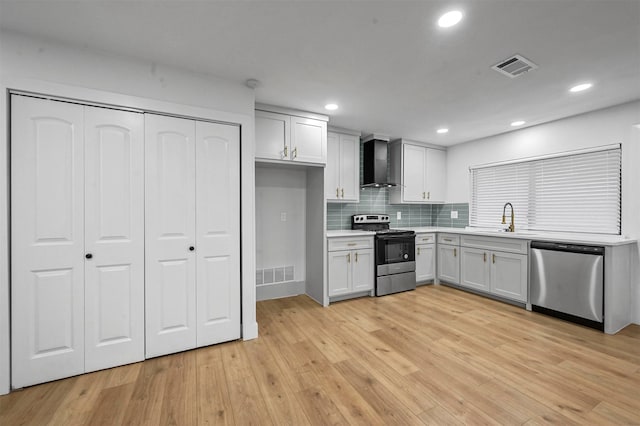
[[279, 290]]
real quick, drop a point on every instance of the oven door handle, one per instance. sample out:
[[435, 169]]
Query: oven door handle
[[397, 237]]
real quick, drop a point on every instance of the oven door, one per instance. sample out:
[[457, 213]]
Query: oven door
[[392, 249]]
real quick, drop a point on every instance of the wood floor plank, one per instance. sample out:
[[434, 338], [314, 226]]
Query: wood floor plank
[[436, 355]]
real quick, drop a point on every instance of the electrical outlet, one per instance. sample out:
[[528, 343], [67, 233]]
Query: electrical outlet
[[283, 217], [399, 215], [454, 214]]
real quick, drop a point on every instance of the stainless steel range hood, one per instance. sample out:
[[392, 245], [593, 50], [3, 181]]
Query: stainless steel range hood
[[375, 154]]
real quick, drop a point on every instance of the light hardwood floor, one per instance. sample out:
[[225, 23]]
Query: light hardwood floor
[[431, 356]]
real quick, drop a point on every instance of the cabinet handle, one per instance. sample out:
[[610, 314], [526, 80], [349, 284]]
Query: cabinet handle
[[88, 256], [485, 257], [447, 239], [286, 151], [294, 153], [349, 258], [455, 252], [342, 192], [356, 257], [426, 239], [337, 192], [423, 195], [352, 244], [428, 195], [493, 258], [418, 251], [191, 248]]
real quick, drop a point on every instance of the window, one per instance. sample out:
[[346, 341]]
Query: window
[[571, 192]]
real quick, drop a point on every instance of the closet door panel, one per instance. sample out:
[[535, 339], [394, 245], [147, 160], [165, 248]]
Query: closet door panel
[[114, 237], [170, 291], [218, 232], [47, 244]]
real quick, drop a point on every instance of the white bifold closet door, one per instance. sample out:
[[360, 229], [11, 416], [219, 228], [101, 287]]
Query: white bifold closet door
[[114, 238], [76, 239], [170, 226], [47, 240], [217, 232], [192, 234]]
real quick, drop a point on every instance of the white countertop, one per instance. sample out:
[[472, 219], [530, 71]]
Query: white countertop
[[574, 238], [349, 233]]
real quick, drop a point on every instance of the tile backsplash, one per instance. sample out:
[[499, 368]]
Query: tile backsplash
[[376, 201]]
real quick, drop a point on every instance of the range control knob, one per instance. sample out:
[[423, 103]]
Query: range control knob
[[406, 256]]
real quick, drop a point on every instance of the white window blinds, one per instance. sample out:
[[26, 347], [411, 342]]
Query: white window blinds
[[576, 192]]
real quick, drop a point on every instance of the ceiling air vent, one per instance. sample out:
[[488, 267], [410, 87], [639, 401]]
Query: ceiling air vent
[[514, 66]]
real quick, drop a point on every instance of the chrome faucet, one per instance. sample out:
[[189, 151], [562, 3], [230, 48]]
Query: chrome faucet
[[512, 227]]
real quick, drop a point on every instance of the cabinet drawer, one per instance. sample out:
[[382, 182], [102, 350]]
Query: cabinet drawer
[[425, 238], [337, 244], [451, 239], [510, 245]]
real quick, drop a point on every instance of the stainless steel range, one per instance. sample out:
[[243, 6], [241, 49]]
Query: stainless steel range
[[395, 261]]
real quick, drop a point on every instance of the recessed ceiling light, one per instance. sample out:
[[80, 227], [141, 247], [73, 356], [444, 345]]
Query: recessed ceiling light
[[517, 123], [449, 19], [331, 107], [581, 87], [442, 131]]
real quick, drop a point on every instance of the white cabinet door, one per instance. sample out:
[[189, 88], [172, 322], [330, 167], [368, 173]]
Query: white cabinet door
[[474, 268], [509, 275], [273, 135], [362, 270], [170, 285], [217, 232], [114, 237], [436, 174], [339, 265], [448, 264], [349, 168], [332, 171], [47, 240], [414, 173], [425, 265], [308, 140]]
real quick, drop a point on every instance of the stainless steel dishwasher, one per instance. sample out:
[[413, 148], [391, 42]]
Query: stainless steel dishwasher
[[567, 281]]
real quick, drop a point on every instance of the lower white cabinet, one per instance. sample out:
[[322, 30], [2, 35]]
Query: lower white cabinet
[[425, 257], [350, 270], [448, 258], [509, 275], [500, 273], [448, 263]]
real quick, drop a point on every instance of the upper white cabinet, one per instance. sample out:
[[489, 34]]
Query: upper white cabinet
[[420, 172], [77, 243], [283, 136], [342, 174], [273, 135]]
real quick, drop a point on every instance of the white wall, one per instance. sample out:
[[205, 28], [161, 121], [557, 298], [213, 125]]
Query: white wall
[[49, 68], [603, 127], [281, 243]]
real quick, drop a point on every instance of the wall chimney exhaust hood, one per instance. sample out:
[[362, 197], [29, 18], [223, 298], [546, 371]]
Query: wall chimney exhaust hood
[[375, 154]]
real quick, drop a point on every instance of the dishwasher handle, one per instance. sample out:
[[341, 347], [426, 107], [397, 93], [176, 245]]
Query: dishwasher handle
[[567, 247]]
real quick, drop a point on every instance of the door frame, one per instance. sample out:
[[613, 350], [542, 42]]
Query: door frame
[[249, 326]]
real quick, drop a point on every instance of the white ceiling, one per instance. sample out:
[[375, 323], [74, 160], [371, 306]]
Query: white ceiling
[[387, 64]]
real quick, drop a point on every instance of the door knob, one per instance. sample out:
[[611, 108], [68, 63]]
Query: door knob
[[88, 255], [191, 248]]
